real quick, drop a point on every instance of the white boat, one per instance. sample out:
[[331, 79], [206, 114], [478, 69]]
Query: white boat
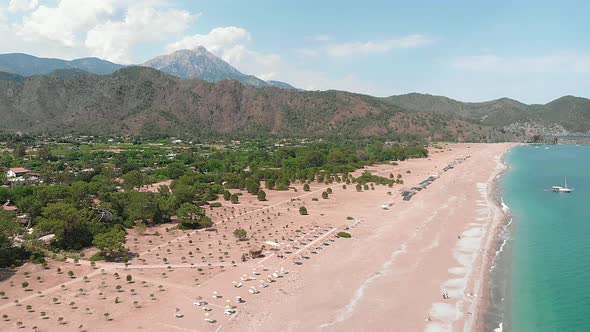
[[563, 189]]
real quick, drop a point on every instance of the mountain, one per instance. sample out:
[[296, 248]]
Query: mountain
[[200, 63], [145, 101], [281, 85], [28, 65], [562, 116], [10, 76]]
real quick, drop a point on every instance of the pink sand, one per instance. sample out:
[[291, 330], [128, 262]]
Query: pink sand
[[388, 277]]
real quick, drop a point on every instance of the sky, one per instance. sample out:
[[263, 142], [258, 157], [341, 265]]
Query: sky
[[470, 50]]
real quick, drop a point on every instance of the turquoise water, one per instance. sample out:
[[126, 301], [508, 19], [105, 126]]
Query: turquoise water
[[548, 260]]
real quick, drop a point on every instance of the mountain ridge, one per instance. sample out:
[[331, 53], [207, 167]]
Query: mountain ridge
[[571, 114], [145, 101], [203, 64], [28, 65]]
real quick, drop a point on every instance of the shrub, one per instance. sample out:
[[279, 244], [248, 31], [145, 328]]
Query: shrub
[[344, 235], [99, 256], [234, 198], [240, 234], [303, 211]]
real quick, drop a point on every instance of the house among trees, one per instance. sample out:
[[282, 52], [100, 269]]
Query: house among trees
[[20, 175], [16, 172]]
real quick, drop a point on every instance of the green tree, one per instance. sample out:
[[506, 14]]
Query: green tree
[[235, 199], [337, 157], [252, 186], [44, 153], [140, 227], [174, 171], [142, 206], [306, 187], [261, 195], [191, 216], [303, 211], [325, 195], [134, 178], [269, 183], [19, 150], [185, 193], [359, 187], [313, 158], [111, 242], [73, 227], [226, 195], [240, 234]]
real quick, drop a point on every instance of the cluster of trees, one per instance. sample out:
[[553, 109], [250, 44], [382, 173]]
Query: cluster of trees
[[95, 206]]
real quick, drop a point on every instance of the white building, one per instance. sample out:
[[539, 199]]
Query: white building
[[16, 172]]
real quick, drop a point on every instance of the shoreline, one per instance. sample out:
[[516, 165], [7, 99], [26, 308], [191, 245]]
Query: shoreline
[[483, 305]]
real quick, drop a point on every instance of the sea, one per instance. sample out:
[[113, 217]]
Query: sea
[[540, 277]]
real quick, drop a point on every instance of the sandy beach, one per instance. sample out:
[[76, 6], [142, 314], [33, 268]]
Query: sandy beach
[[390, 276]]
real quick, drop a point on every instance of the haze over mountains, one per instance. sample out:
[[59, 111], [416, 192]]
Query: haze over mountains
[[145, 101], [28, 65], [197, 63]]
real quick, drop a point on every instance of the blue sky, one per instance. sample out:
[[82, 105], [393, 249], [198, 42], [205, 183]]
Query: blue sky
[[533, 51]]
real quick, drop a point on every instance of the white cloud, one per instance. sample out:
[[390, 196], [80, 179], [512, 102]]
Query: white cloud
[[359, 48], [372, 47], [217, 40], [561, 62], [22, 5], [63, 24], [114, 40], [109, 29]]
